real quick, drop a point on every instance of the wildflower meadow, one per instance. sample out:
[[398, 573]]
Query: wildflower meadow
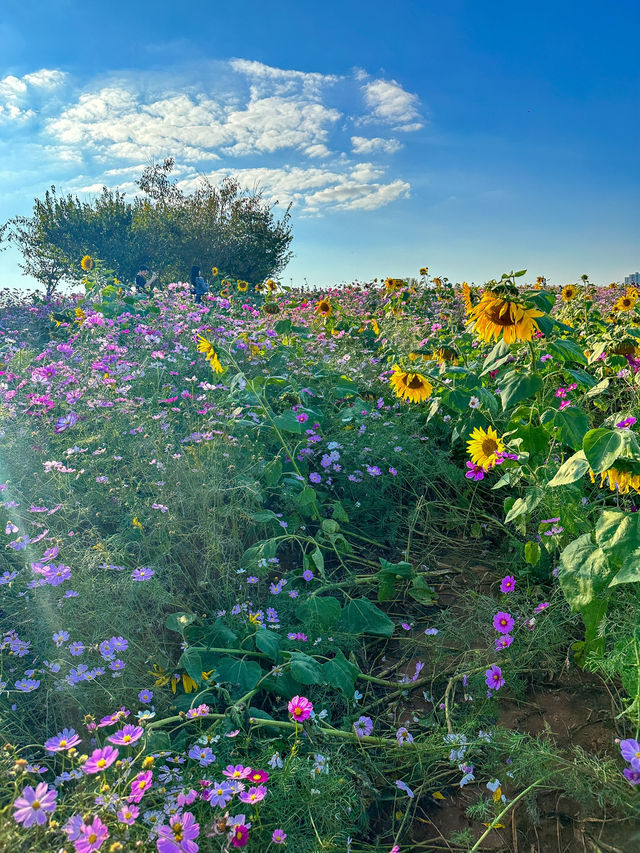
[[342, 570]]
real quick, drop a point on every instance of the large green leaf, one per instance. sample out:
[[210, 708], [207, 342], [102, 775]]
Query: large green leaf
[[572, 470], [243, 673], [526, 504], [572, 424], [401, 570], [362, 617], [498, 356], [268, 642], [518, 386], [190, 661], [179, 621], [630, 571], [305, 669], [567, 350], [341, 674], [602, 447], [323, 611], [618, 533], [288, 422], [584, 572]]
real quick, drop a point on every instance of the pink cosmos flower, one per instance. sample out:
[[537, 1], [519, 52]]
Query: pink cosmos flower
[[300, 708], [92, 835], [253, 795], [507, 584], [128, 814], [100, 759], [503, 642], [139, 786], [178, 836], [258, 777], [239, 771], [503, 622], [278, 836], [33, 805], [240, 835], [126, 736], [541, 607]]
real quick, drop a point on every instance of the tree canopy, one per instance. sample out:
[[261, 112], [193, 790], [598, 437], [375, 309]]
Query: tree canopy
[[164, 228]]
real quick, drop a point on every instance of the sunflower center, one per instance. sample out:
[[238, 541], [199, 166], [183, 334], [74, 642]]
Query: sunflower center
[[500, 313], [489, 446], [415, 382]]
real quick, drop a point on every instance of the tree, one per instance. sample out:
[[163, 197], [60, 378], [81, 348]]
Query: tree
[[165, 228]]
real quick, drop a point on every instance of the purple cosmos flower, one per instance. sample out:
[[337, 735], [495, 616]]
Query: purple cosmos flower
[[100, 759], [66, 739], [76, 648], [403, 736], [503, 642], [540, 607], [92, 835], [307, 575], [142, 574], [503, 622], [315, 478], [145, 696], [475, 472], [363, 726], [278, 836], [33, 805], [631, 775], [204, 756], [178, 836], [65, 422], [626, 423], [126, 736], [494, 678], [219, 794], [404, 787], [630, 751], [507, 584], [431, 632]]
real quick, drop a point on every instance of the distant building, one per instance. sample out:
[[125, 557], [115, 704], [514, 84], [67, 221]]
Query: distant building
[[634, 278]]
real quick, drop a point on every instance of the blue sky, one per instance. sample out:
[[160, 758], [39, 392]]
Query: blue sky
[[470, 137]]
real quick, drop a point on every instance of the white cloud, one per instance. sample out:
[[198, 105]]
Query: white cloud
[[392, 104], [313, 190], [285, 131], [15, 92], [367, 145]]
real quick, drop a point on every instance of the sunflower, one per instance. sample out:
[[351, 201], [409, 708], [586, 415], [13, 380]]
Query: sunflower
[[243, 286], [613, 285], [625, 303], [393, 284], [207, 348], [632, 292], [437, 282], [375, 326], [618, 480], [493, 316], [568, 292], [271, 285], [466, 297], [484, 447], [214, 271], [87, 263], [80, 316], [410, 386], [324, 308], [424, 270]]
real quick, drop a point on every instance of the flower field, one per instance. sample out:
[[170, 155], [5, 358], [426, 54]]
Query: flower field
[[351, 570]]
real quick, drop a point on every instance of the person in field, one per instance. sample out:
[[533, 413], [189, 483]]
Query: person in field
[[198, 285]]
